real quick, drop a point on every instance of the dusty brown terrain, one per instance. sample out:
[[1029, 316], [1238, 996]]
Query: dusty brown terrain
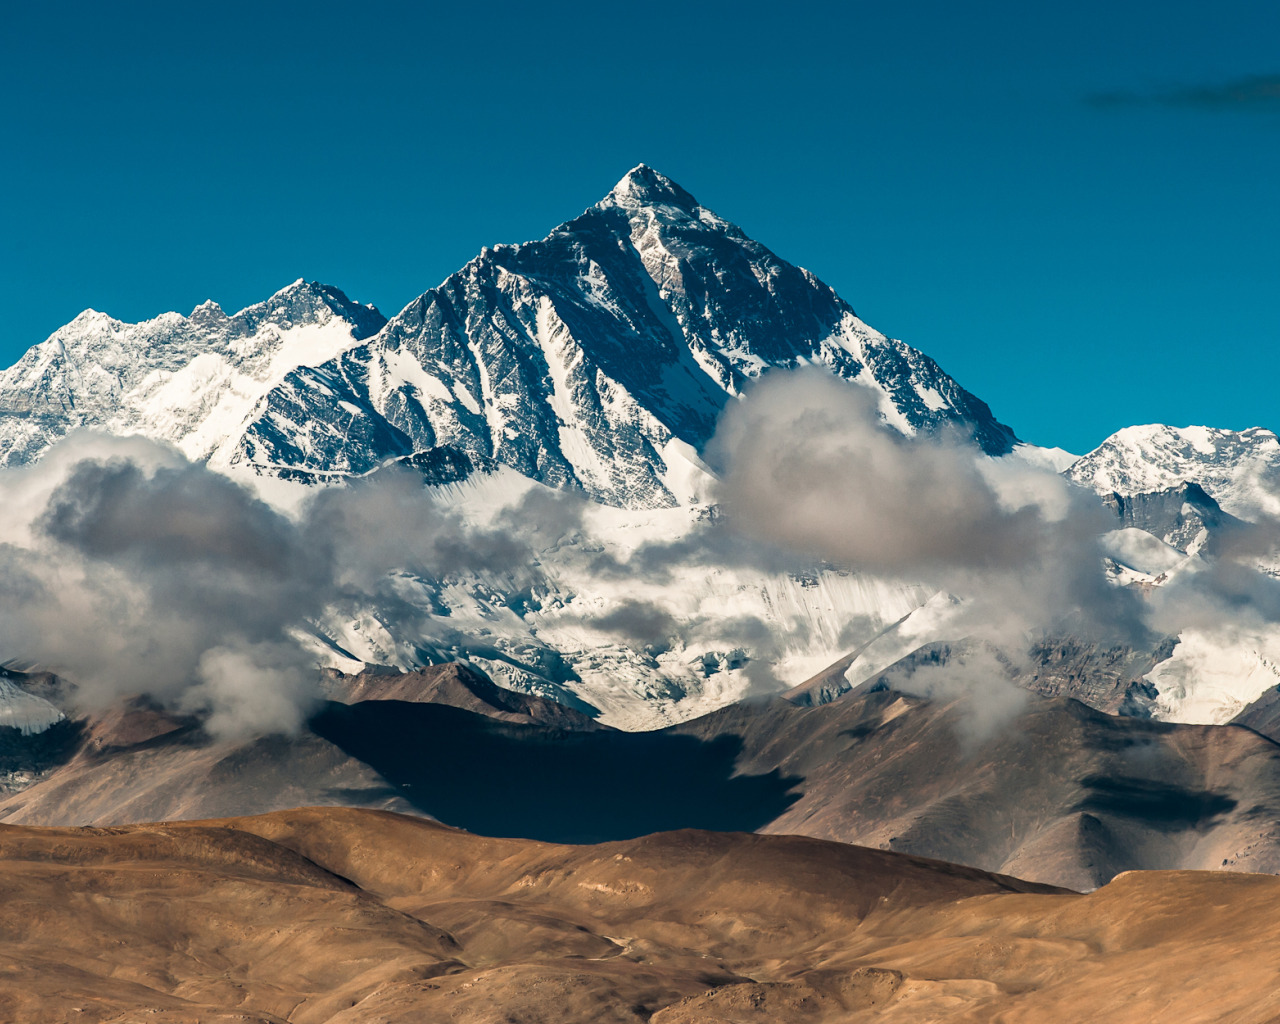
[[137, 762], [346, 916], [1055, 792]]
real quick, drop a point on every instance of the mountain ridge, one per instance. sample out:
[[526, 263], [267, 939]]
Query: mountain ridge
[[188, 380], [597, 357]]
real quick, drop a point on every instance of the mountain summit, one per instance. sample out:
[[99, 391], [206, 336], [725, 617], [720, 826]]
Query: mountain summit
[[642, 186], [598, 357]]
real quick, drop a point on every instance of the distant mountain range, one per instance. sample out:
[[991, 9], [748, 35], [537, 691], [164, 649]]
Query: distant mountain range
[[599, 358]]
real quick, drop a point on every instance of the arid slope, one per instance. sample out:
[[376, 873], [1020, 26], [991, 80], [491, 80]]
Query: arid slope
[[331, 916]]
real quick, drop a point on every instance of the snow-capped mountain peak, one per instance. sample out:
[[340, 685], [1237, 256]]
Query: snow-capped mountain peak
[[1240, 469], [644, 188], [193, 380], [598, 357]]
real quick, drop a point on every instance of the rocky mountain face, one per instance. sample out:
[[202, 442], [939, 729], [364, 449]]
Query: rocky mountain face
[[598, 357], [1185, 517]]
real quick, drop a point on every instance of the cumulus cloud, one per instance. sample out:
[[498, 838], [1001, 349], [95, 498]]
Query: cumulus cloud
[[641, 623], [974, 676], [753, 644], [129, 569], [809, 465]]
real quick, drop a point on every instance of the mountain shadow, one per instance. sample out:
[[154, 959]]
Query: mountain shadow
[[1156, 802], [503, 779]]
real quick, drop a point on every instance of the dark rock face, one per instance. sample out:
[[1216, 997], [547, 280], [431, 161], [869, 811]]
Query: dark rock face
[[1108, 677], [1178, 516]]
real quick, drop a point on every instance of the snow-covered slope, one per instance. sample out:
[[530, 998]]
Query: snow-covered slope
[[195, 381], [24, 711], [645, 650], [1239, 469], [1193, 488]]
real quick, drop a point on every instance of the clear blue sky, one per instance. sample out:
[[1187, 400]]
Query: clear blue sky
[[1074, 207]]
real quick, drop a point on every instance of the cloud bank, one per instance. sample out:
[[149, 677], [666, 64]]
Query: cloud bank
[[809, 466], [129, 569]]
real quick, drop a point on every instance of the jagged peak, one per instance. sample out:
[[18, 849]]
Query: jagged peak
[[643, 187], [296, 286], [311, 297], [308, 299], [207, 310], [301, 289]]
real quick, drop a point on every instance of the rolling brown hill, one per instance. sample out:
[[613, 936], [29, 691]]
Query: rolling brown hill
[[331, 916]]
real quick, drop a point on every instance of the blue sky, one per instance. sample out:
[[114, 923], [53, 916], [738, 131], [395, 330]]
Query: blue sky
[[1072, 207]]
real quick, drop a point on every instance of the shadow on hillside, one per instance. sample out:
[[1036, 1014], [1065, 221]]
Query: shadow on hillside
[[39, 751], [1157, 803], [500, 779]]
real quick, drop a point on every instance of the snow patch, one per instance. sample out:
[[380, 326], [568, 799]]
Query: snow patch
[[1212, 677], [25, 711]]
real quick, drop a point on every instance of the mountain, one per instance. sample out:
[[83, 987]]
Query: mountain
[[194, 381], [460, 686], [327, 916], [1239, 470], [136, 760], [601, 355], [598, 357]]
